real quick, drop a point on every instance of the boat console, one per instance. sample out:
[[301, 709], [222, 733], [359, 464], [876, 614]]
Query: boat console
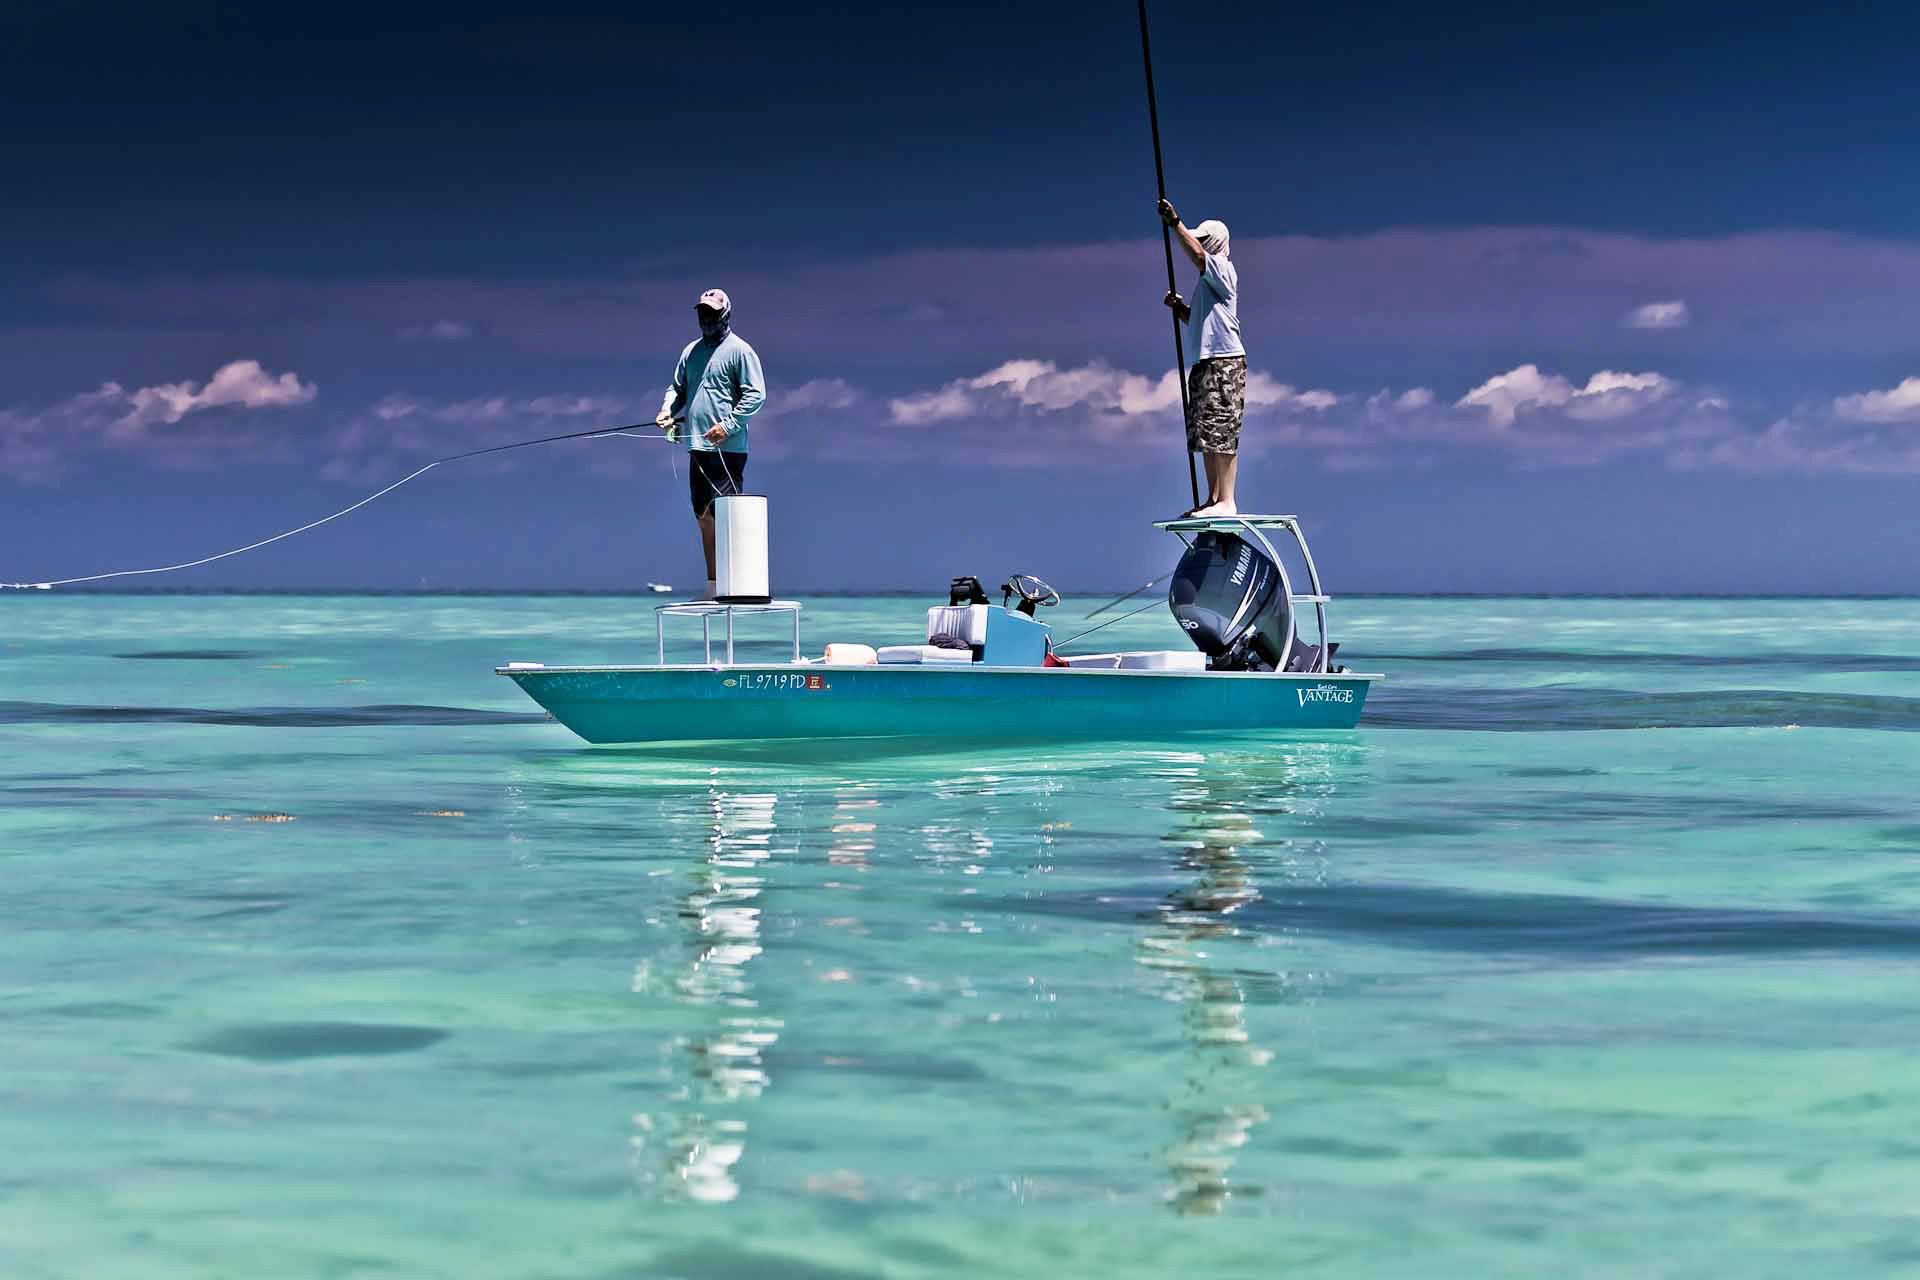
[[990, 634], [970, 629]]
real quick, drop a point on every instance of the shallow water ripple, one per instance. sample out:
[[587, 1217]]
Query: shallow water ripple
[[327, 954]]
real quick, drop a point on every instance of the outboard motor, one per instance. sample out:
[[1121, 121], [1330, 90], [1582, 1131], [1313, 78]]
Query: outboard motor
[[1230, 600]]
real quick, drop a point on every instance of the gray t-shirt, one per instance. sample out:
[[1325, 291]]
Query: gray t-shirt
[[1214, 328]]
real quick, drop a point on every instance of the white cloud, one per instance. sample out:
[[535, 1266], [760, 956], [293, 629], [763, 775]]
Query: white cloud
[[438, 331], [1810, 440], [1607, 395], [1265, 393], [1900, 404], [1659, 315], [1094, 388], [1504, 395], [241, 382], [817, 393], [485, 410], [1384, 403], [926, 407], [577, 406], [1040, 384], [26, 453], [35, 442]]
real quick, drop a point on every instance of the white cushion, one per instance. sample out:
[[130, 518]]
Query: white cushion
[[895, 655], [841, 654], [1164, 660], [1143, 660]]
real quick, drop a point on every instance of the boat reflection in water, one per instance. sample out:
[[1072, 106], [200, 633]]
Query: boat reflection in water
[[1205, 956], [690, 1152]]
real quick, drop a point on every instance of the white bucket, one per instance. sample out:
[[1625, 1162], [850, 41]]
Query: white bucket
[[740, 549]]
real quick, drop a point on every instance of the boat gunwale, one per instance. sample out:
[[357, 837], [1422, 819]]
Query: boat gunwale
[[955, 668]]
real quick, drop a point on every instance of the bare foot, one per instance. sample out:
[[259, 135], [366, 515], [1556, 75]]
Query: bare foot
[[1216, 509]]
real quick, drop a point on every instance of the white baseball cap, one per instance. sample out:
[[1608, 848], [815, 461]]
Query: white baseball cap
[[716, 300]]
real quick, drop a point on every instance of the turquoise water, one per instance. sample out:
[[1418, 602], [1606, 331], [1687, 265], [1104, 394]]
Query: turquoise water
[[1591, 954]]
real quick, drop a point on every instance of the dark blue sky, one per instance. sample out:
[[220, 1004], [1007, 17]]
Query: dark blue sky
[[439, 229]]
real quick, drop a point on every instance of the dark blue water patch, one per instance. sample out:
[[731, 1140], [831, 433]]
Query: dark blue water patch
[[1461, 920], [104, 1009], [59, 793], [916, 1068], [94, 775], [264, 717], [1899, 1251], [265, 907], [192, 655], [1569, 707], [293, 1041], [1854, 1104], [1532, 1144], [238, 904], [1617, 658], [728, 1262], [549, 1069], [1361, 827], [1691, 810], [1335, 1147]]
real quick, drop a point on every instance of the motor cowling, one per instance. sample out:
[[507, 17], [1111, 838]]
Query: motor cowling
[[1232, 602]]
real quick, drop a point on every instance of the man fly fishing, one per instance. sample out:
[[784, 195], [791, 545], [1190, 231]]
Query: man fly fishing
[[1217, 382], [716, 387]]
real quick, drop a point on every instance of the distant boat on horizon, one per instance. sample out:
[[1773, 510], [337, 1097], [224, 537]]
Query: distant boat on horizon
[[659, 588]]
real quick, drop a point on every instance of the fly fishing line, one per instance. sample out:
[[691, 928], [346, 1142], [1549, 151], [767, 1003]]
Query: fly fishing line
[[632, 431]]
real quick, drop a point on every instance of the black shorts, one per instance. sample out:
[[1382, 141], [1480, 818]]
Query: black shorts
[[713, 473]]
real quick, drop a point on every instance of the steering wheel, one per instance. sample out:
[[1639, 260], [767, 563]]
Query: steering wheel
[[1031, 591]]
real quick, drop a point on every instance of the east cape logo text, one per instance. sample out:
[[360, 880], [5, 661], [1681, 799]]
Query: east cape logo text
[[1324, 693]]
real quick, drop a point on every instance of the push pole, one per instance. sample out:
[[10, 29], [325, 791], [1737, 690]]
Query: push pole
[[1166, 242]]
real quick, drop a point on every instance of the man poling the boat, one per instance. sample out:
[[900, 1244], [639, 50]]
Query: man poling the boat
[[717, 386], [1217, 382]]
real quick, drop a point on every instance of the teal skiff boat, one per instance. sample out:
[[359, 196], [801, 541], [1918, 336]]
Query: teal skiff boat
[[990, 671]]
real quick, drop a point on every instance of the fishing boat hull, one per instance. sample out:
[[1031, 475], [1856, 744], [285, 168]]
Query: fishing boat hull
[[650, 704]]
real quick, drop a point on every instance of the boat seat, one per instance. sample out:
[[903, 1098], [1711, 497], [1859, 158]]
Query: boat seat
[[989, 634], [911, 655], [957, 625]]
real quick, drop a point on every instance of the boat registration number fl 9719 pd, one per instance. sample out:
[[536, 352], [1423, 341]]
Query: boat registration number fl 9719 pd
[[776, 682], [1325, 693]]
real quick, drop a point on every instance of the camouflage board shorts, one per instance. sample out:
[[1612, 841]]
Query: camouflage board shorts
[[1216, 401]]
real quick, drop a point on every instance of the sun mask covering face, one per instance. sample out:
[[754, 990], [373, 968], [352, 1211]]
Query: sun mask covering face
[[713, 324]]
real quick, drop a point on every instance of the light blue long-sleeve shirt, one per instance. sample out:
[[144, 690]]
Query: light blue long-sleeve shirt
[[717, 385]]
